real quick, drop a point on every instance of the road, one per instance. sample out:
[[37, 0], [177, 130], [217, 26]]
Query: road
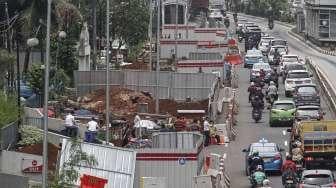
[[248, 131]]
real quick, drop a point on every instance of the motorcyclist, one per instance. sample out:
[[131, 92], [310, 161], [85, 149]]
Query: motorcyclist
[[258, 176], [272, 91], [275, 77], [276, 55], [258, 81], [254, 161], [289, 164], [252, 90], [262, 74]]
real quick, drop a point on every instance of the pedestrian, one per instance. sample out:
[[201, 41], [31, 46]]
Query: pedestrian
[[70, 125], [213, 132], [136, 118], [92, 125], [206, 131]]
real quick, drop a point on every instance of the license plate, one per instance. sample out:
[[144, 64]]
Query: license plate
[[298, 166], [267, 160], [289, 181], [319, 159]]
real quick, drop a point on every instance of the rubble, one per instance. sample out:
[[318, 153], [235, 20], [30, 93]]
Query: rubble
[[123, 103]]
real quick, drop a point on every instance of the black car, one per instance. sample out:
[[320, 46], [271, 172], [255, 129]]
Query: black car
[[306, 94], [292, 66], [309, 112]]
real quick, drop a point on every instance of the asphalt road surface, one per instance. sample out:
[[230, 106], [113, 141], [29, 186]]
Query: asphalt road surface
[[248, 131]]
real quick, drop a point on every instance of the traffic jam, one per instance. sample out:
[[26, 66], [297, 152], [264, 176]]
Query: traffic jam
[[282, 85]]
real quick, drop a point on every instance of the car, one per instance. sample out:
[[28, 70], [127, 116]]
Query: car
[[288, 59], [317, 178], [295, 78], [281, 49], [309, 112], [263, 46], [252, 56], [292, 66], [306, 94], [269, 151], [282, 113], [255, 71], [25, 90], [278, 42]]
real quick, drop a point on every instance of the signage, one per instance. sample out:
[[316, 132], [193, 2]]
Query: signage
[[182, 161], [31, 165], [88, 181]]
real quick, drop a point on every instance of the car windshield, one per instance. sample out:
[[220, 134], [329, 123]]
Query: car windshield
[[283, 106], [295, 67], [308, 112], [264, 149], [317, 179], [307, 90], [261, 66], [290, 59], [298, 75], [279, 42]]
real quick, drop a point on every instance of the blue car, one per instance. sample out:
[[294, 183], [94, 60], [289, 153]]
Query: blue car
[[270, 152], [253, 56], [25, 90]]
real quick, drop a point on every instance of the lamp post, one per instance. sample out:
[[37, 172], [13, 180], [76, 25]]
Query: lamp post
[[107, 114], [157, 105], [46, 96]]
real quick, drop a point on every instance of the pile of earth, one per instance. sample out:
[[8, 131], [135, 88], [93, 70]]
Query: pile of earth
[[124, 102]]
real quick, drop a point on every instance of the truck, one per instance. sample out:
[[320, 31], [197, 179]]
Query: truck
[[317, 142]]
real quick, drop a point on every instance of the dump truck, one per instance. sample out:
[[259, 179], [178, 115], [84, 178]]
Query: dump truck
[[317, 142]]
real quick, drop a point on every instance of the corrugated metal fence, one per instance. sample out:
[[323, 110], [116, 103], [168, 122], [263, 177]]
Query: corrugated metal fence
[[9, 135], [172, 85]]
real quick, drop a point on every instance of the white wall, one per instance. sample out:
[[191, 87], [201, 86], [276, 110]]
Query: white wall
[[11, 164]]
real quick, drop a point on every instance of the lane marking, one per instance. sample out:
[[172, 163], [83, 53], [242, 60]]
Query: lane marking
[[286, 143], [284, 132], [224, 156]]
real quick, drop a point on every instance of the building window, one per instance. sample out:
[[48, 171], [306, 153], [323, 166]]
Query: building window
[[169, 14], [324, 24]]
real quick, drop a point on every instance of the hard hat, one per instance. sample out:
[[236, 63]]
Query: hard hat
[[266, 182], [271, 83], [252, 83]]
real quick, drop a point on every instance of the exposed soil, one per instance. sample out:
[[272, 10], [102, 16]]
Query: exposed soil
[[137, 66], [37, 149]]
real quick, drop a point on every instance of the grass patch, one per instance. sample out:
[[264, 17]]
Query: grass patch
[[8, 109]]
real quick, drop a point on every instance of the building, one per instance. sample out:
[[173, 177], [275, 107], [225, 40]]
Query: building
[[321, 21]]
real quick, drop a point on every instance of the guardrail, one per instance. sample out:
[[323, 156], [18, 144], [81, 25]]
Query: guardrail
[[324, 82]]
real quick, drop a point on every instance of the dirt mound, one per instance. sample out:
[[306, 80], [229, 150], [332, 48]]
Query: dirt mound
[[123, 102], [37, 149], [137, 66]]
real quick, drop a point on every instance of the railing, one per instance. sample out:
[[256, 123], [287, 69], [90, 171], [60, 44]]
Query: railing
[[9, 135]]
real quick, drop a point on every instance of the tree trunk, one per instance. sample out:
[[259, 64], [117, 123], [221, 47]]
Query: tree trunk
[[94, 34], [26, 61]]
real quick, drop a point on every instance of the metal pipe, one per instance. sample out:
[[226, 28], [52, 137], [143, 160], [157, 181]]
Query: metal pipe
[[158, 36], [176, 26], [150, 33], [45, 108], [107, 114]]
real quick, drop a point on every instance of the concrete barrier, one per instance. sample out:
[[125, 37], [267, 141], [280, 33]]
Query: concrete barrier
[[324, 82]]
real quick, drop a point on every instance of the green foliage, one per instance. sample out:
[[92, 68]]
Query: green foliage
[[6, 59], [30, 135], [261, 8], [130, 21], [8, 109], [66, 57], [68, 174], [35, 77]]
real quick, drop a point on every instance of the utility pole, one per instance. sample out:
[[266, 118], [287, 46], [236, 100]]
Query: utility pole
[[158, 36], [46, 96], [94, 32], [150, 31], [176, 27], [107, 111], [18, 74]]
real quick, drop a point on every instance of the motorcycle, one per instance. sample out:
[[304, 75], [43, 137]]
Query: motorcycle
[[256, 114], [290, 181], [271, 98], [257, 180]]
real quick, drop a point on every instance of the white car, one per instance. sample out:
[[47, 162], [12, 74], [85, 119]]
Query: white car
[[288, 59], [281, 49], [295, 78]]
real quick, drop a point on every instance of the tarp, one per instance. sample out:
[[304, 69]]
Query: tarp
[[145, 124]]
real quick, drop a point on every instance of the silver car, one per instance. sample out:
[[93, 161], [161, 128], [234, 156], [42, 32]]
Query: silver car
[[317, 178]]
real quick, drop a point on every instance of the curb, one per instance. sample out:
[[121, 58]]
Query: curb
[[331, 53]]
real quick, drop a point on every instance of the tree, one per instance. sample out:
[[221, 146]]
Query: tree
[[6, 60], [130, 22], [35, 78], [8, 109], [68, 171]]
